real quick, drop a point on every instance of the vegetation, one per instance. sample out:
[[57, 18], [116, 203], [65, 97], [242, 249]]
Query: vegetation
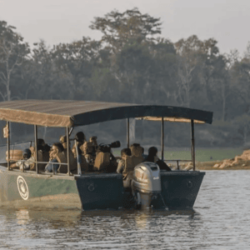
[[202, 154], [132, 63]]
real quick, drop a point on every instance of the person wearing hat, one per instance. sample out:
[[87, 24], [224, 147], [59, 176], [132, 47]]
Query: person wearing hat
[[26, 163]]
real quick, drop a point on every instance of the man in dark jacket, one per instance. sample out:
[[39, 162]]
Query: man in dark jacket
[[152, 157]]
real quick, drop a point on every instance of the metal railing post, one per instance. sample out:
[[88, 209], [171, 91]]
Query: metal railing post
[[8, 145], [162, 138], [192, 144], [36, 151], [128, 133], [68, 148], [178, 165], [78, 157]]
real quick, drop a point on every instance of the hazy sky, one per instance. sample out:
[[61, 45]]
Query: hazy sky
[[67, 20]]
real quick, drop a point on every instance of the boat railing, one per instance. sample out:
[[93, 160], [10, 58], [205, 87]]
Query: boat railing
[[177, 162], [14, 146], [17, 143], [41, 162]]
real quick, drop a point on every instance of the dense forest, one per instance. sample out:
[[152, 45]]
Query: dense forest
[[133, 63]]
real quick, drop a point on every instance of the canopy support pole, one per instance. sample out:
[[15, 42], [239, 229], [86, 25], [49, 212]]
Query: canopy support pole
[[78, 157], [162, 138], [192, 144], [36, 151], [8, 145], [128, 133], [68, 148]]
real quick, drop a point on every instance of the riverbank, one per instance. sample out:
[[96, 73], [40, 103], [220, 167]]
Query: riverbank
[[210, 165], [201, 154], [239, 162]]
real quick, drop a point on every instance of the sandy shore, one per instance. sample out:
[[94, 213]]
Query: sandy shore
[[209, 165], [239, 162]]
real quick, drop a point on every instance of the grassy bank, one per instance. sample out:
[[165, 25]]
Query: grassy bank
[[206, 158], [202, 154]]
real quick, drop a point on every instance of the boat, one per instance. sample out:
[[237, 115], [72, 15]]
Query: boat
[[84, 190]]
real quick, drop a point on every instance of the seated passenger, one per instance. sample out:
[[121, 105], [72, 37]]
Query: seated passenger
[[80, 139], [41, 145], [137, 150], [27, 163], [63, 141], [93, 141], [130, 163], [152, 157], [55, 161], [105, 160], [82, 161], [43, 151], [152, 154], [89, 150], [121, 164]]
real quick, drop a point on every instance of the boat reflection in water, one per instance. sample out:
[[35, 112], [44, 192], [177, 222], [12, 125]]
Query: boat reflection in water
[[22, 216], [71, 218], [93, 229], [101, 188]]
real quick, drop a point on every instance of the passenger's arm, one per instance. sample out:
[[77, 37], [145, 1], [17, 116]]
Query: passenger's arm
[[120, 167], [59, 161], [13, 165], [112, 157], [163, 166]]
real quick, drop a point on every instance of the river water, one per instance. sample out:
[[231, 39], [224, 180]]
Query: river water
[[220, 220]]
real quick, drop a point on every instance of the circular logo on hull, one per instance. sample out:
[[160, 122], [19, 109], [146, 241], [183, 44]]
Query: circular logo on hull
[[189, 184], [91, 187], [23, 188]]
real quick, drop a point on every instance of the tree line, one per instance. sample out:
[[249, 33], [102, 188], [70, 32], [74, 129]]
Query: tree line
[[133, 63]]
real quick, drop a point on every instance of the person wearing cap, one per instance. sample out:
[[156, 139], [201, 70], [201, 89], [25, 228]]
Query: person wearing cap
[[26, 163]]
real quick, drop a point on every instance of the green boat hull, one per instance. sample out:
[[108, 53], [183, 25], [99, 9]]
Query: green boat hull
[[87, 192], [93, 190], [29, 189]]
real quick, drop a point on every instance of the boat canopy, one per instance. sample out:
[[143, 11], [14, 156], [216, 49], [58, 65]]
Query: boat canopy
[[64, 113]]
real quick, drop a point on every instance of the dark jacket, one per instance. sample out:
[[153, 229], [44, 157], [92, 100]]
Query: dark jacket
[[162, 165]]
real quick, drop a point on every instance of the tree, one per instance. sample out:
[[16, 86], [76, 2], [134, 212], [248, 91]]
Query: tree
[[76, 60], [201, 71], [239, 72], [189, 58], [242, 124], [130, 26], [13, 52]]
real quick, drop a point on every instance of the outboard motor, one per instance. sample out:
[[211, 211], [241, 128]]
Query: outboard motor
[[146, 184]]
